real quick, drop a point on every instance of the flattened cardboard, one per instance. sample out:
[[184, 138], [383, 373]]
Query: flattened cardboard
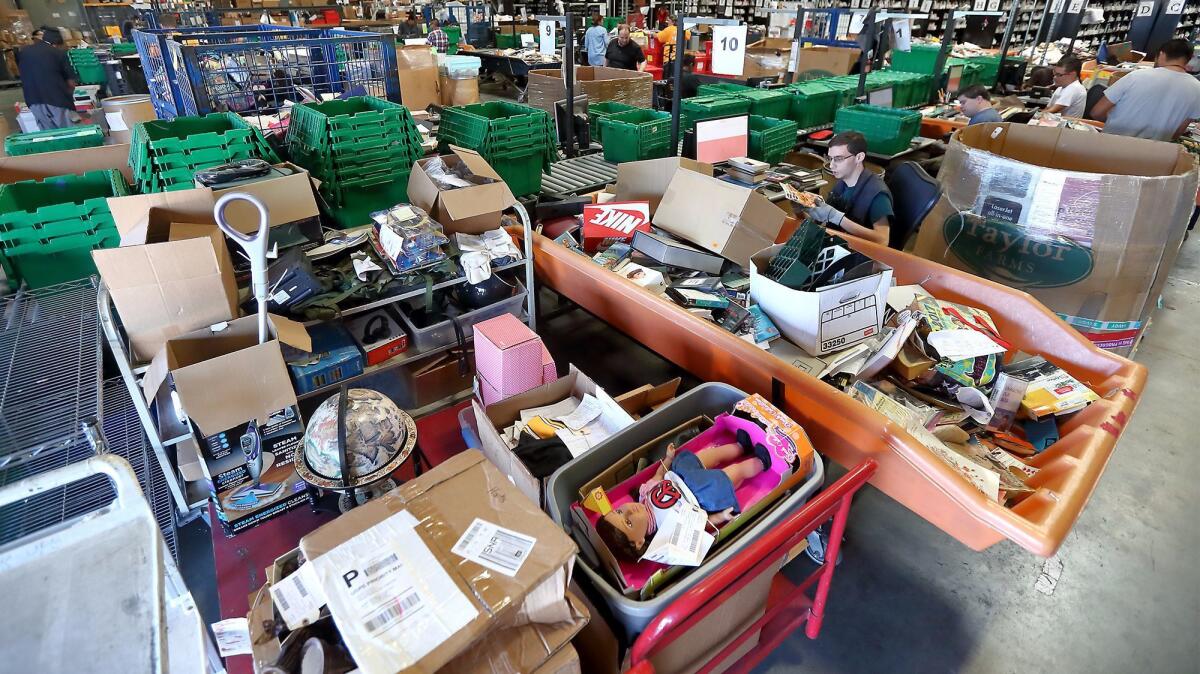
[[135, 216], [835, 60], [470, 210], [288, 199], [179, 280], [447, 500], [648, 180], [67, 162], [732, 221]]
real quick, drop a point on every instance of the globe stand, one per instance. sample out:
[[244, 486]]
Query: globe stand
[[344, 493]]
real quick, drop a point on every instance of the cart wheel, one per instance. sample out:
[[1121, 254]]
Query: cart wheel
[[818, 542]]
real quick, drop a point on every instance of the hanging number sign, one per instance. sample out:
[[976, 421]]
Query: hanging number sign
[[729, 50], [980, 5], [546, 38], [993, 5], [1174, 7], [1145, 8], [1076, 6]]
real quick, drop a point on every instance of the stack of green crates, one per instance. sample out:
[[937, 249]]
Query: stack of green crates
[[908, 89], [123, 49], [87, 65], [602, 109], [888, 131], [775, 103], [845, 85], [48, 228], [508, 40], [362, 150], [990, 69], [813, 103], [636, 135], [165, 154], [771, 139], [54, 140], [517, 140], [692, 110], [972, 72]]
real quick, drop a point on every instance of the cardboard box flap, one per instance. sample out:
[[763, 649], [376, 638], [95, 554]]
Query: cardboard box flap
[[291, 333], [66, 162], [1072, 150], [287, 198], [475, 162], [225, 391], [648, 180], [136, 217]]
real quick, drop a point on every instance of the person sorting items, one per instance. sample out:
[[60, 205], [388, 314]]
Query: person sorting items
[[859, 203], [667, 36], [1070, 98], [623, 52], [437, 38], [1156, 103], [48, 80], [976, 103], [595, 41]]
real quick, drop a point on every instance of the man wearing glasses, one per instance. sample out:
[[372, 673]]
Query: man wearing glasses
[[1070, 98], [858, 196]]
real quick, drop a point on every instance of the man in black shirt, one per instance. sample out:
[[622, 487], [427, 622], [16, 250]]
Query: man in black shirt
[[48, 81], [624, 52]]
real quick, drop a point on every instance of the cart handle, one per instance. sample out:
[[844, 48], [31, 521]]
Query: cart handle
[[700, 600], [128, 493]]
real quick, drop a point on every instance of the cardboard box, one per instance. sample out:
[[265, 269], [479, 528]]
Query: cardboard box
[[549, 369], [290, 200], [596, 643], [827, 319], [529, 648], [500, 416], [566, 661], [399, 551], [648, 180], [172, 273], [458, 91], [647, 398], [599, 83], [225, 380], [379, 335], [470, 210], [828, 60], [1089, 224], [508, 357], [419, 86], [67, 162], [732, 221]]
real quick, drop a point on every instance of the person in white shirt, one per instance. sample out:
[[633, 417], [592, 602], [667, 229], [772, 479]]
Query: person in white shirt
[[1070, 98], [1156, 103]]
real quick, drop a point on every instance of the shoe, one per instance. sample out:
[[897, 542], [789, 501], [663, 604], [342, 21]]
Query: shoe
[[763, 455]]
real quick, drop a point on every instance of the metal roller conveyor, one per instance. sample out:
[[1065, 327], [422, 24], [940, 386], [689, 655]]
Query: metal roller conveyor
[[578, 174]]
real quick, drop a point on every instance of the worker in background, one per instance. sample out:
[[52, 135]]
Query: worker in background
[[690, 84], [437, 37], [1157, 103], [976, 103], [410, 28], [667, 37], [859, 203], [1070, 98], [48, 80], [595, 40], [623, 52]]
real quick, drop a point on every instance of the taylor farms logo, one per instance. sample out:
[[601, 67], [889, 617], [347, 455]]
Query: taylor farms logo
[[1005, 252]]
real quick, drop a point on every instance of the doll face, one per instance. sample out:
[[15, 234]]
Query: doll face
[[632, 519]]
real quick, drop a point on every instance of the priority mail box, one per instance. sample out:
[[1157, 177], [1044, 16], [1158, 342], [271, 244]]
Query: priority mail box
[[829, 318], [732, 221]]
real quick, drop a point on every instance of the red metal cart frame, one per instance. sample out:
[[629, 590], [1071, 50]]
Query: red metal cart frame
[[789, 605]]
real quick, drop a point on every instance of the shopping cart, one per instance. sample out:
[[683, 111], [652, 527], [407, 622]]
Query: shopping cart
[[789, 605]]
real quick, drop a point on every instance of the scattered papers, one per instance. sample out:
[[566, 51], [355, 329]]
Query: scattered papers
[[682, 539], [956, 345]]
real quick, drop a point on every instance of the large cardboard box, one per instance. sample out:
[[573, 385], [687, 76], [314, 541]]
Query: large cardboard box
[[239, 399], [67, 162], [458, 91], [470, 210], [172, 273], [416, 577], [418, 77], [827, 60], [290, 200], [599, 83], [528, 648], [648, 180], [732, 221], [1089, 224]]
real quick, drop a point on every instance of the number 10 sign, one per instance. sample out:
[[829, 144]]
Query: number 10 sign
[[729, 49]]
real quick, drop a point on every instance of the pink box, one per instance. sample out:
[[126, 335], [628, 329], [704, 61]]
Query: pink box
[[487, 394], [508, 355], [549, 371]]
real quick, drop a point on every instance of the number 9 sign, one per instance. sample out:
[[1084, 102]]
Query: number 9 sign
[[546, 38]]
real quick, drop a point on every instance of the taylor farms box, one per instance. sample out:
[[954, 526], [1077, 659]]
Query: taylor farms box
[[1089, 224]]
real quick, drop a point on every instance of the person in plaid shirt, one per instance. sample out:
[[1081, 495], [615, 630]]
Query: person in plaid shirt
[[437, 38]]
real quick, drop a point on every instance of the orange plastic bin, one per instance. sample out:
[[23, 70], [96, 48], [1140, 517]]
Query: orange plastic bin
[[849, 432]]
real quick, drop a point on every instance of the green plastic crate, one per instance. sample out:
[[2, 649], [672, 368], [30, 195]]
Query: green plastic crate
[[164, 153], [636, 135], [921, 59], [771, 139], [49, 227], [507, 41], [494, 122], [888, 131], [775, 103], [522, 171], [92, 73], [813, 103], [692, 110], [356, 201], [602, 109], [54, 140], [990, 69]]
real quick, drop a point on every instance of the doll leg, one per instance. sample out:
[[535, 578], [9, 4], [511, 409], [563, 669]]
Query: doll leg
[[718, 454], [743, 470]]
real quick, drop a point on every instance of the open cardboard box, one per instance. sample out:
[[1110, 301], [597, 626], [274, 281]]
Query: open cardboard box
[[423, 544], [172, 273], [66, 162], [647, 397], [290, 200], [647, 180], [227, 381], [470, 210], [732, 221]]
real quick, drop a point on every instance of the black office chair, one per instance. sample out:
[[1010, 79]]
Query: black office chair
[[914, 195], [1093, 96]]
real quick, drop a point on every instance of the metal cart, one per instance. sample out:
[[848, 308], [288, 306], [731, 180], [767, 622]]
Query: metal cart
[[789, 605], [510, 69]]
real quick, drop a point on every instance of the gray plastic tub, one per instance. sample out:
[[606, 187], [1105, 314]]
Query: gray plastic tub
[[442, 334], [710, 400]]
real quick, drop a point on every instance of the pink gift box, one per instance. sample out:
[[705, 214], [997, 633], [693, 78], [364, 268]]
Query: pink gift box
[[549, 371], [487, 393], [508, 355]]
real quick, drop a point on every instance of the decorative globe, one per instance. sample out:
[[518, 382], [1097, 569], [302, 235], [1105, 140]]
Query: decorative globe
[[376, 430]]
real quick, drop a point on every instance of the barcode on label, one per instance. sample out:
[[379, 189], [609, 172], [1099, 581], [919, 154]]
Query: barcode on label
[[393, 612], [499, 549], [386, 561], [283, 604]]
